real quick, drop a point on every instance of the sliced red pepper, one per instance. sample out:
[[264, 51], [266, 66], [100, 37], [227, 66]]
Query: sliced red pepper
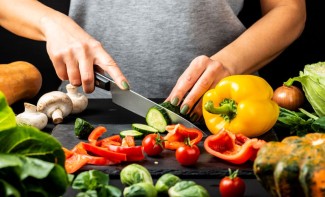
[[134, 153], [234, 148], [79, 149], [68, 153], [128, 141], [102, 161], [95, 134], [104, 152], [114, 139], [178, 133], [128, 147], [75, 162]]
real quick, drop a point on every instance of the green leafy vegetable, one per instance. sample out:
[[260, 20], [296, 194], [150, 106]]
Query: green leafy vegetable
[[312, 79], [300, 123], [7, 116], [187, 189], [24, 176], [135, 173], [31, 161], [94, 183], [165, 182], [140, 189]]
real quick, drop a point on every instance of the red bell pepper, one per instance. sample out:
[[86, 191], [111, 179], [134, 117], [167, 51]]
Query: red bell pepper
[[128, 147], [104, 152], [177, 135], [234, 148], [95, 134], [75, 162]]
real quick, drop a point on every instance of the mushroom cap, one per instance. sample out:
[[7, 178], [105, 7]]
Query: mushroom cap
[[79, 100], [52, 101], [32, 117]]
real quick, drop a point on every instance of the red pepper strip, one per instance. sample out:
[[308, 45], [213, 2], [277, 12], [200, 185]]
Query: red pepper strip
[[177, 134], [75, 162], [104, 152], [233, 148], [68, 153], [114, 139], [132, 153], [79, 149], [101, 161], [128, 141], [95, 134], [128, 147]]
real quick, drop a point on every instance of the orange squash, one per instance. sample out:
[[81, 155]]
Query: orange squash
[[19, 80]]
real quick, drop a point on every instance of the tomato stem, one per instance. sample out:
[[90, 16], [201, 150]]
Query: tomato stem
[[233, 174]]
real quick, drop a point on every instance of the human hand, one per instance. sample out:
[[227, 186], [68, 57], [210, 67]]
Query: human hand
[[74, 53], [202, 74]]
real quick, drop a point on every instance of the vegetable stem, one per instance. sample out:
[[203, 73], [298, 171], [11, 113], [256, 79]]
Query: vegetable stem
[[310, 115]]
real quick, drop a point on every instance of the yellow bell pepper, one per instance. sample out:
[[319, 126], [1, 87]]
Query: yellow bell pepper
[[241, 104]]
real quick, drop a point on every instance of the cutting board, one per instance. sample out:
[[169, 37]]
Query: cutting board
[[207, 165]]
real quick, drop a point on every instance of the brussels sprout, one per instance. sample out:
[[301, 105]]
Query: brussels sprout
[[165, 182], [187, 189], [140, 189], [135, 173]]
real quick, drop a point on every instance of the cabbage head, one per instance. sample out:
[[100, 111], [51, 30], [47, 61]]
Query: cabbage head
[[312, 79]]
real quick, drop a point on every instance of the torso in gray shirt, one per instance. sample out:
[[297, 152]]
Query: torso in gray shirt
[[154, 41]]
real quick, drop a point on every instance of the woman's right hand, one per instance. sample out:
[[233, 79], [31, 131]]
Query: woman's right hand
[[74, 53]]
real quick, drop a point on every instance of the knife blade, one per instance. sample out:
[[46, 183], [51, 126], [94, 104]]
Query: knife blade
[[135, 102]]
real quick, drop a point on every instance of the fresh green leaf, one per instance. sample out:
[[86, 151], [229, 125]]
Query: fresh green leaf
[[109, 191], [312, 79], [7, 116], [319, 125], [90, 180], [20, 173], [7, 189]]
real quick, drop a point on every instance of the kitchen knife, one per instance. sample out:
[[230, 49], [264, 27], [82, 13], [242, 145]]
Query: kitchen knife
[[135, 102]]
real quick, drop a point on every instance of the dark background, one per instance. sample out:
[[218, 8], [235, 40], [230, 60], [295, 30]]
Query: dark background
[[307, 49]]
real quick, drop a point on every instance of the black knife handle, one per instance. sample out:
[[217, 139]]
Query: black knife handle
[[102, 81]]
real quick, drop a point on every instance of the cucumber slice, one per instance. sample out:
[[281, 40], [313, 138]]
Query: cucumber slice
[[158, 118], [82, 128], [131, 132], [143, 128]]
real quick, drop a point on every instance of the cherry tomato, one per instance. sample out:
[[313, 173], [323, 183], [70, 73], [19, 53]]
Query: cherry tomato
[[187, 155], [153, 144], [232, 185]]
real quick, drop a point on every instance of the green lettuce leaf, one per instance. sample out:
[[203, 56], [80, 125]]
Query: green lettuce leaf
[[7, 116], [312, 80]]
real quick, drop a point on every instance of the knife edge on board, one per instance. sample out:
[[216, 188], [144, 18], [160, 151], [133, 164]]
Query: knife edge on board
[[135, 102]]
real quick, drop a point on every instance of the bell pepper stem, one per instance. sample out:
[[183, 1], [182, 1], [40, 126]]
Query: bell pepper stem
[[223, 109]]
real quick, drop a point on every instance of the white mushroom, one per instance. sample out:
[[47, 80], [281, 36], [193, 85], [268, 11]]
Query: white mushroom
[[55, 105], [32, 117], [79, 101]]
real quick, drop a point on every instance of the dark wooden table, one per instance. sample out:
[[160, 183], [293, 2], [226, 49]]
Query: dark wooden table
[[208, 171]]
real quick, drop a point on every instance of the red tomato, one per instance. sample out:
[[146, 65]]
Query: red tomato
[[187, 155], [232, 186], [153, 144]]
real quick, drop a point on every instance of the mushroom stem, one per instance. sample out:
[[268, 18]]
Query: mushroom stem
[[57, 116]]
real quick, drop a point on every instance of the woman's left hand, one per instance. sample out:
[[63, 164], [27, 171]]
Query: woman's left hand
[[202, 74]]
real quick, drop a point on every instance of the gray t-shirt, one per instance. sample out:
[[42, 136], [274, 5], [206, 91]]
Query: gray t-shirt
[[154, 41]]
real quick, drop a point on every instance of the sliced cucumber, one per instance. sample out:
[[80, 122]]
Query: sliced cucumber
[[82, 128], [158, 118], [131, 132], [143, 128]]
